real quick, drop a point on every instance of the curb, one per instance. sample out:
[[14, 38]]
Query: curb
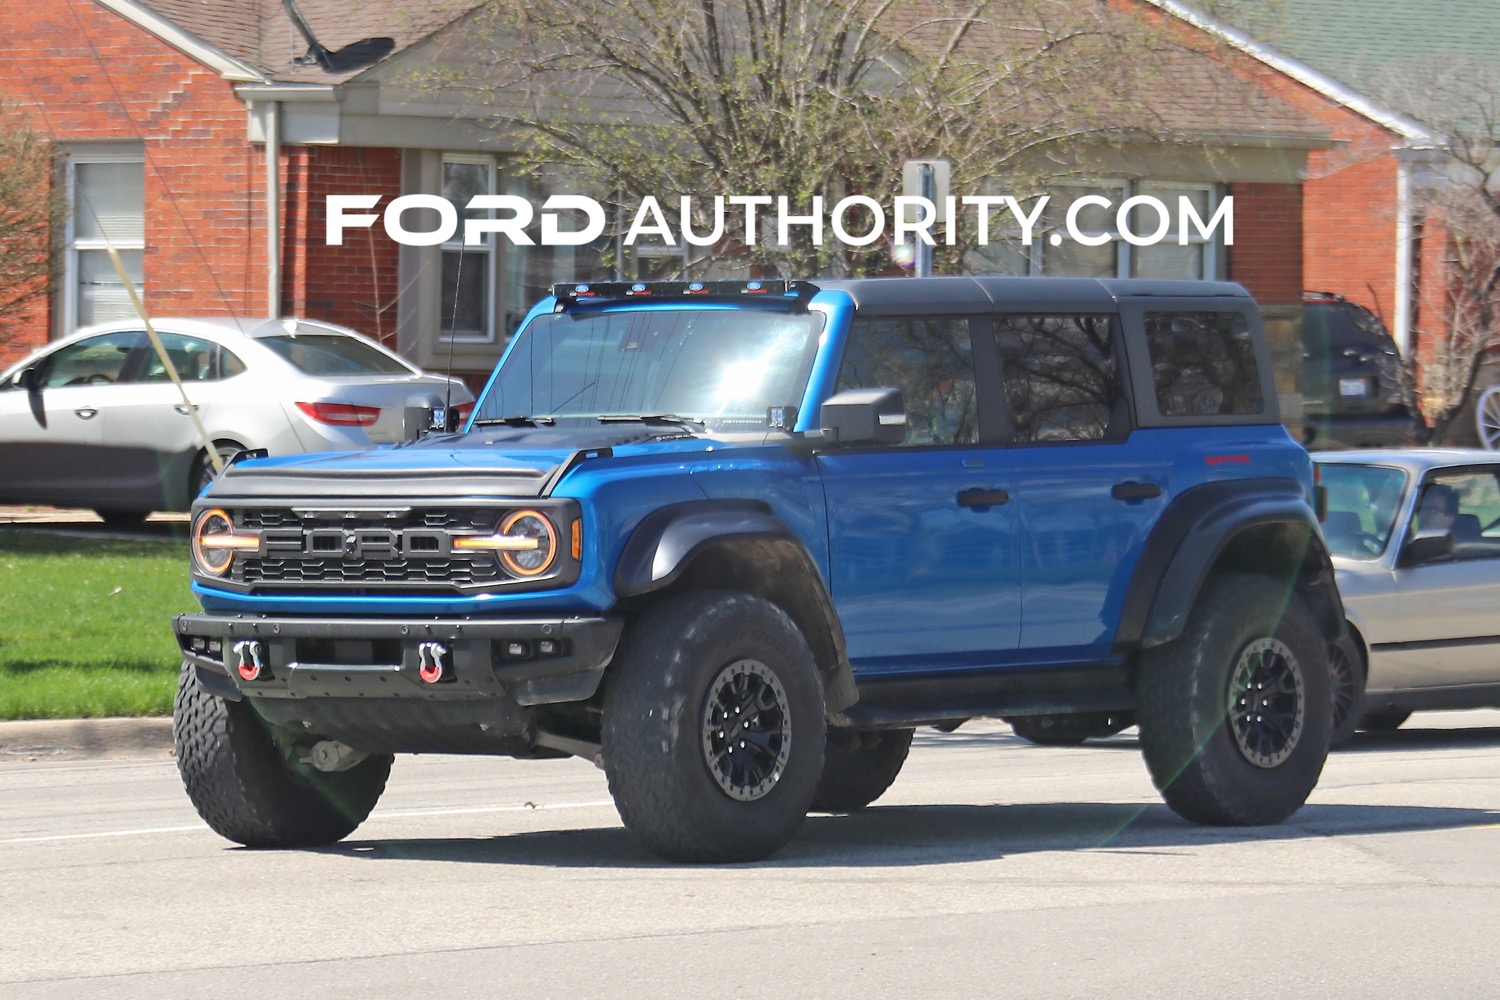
[[74, 739]]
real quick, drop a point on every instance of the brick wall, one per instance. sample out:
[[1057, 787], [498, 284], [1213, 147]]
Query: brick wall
[[354, 284], [1349, 201], [1266, 256], [87, 75]]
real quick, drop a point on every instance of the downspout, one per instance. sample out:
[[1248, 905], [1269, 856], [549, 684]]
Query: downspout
[[273, 209], [1404, 261]]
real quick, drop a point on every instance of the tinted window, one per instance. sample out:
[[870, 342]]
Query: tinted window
[[931, 361], [330, 354], [1203, 364], [95, 361], [1062, 382]]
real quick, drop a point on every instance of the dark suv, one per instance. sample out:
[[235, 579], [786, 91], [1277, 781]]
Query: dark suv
[[1351, 393], [734, 541]]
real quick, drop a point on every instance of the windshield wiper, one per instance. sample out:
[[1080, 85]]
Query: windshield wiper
[[516, 421], [647, 418]]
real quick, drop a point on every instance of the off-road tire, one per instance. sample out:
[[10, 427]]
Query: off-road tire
[[249, 790], [668, 761], [1198, 737], [1069, 730], [1347, 668], [858, 766]]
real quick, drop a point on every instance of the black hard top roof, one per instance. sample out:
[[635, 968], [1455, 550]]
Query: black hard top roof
[[988, 294]]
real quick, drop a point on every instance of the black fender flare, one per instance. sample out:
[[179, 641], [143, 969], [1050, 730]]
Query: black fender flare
[[1275, 527], [668, 541]]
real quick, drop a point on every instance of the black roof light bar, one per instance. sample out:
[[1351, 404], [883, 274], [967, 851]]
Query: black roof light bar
[[573, 293]]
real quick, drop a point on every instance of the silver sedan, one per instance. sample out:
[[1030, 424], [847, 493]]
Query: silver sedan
[[1415, 539], [95, 421]]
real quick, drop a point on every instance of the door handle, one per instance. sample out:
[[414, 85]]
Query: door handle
[[982, 498], [183, 408], [86, 412], [1136, 491]]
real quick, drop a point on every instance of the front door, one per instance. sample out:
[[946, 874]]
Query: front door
[[922, 534]]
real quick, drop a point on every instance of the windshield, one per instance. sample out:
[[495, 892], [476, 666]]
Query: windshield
[[1363, 503], [720, 366], [330, 354]]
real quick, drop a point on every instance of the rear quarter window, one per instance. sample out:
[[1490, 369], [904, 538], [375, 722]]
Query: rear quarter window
[[1203, 364]]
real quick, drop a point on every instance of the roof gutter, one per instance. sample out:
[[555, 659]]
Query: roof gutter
[[1411, 131], [185, 42]]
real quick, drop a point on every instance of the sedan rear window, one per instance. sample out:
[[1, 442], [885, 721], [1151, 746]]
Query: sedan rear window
[[330, 354]]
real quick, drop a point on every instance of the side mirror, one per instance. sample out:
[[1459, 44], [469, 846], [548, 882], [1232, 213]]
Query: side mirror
[[30, 379], [1425, 547], [876, 416]]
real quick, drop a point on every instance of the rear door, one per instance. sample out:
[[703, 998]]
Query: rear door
[[149, 427], [923, 536], [1090, 488]]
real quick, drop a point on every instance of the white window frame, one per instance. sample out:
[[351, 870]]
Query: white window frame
[[73, 244], [483, 256], [1124, 252]]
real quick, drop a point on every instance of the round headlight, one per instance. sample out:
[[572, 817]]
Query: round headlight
[[538, 556], [215, 542]]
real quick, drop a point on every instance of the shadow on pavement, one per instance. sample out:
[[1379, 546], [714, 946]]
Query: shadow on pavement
[[898, 836]]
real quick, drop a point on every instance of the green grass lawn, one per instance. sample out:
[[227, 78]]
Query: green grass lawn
[[85, 625]]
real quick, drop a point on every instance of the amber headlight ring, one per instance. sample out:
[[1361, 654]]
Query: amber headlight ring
[[215, 542]]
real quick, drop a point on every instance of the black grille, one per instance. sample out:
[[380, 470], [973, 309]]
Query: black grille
[[387, 569], [458, 570]]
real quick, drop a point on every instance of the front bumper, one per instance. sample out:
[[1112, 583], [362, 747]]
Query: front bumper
[[532, 661]]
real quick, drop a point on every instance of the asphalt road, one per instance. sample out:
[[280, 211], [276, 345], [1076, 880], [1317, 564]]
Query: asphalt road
[[992, 868]]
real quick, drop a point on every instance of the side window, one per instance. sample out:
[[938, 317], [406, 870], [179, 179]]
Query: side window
[[192, 357], [1468, 505], [1203, 364], [95, 361], [931, 360], [1061, 377]]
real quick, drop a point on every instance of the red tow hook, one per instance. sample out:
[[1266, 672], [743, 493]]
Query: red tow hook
[[430, 667], [250, 666]]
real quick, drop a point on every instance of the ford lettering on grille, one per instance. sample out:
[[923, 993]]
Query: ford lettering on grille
[[357, 543]]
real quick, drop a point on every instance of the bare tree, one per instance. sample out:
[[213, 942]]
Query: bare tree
[[31, 209], [803, 99], [1458, 200]]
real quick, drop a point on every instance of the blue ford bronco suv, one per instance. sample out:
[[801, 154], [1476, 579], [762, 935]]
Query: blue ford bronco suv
[[734, 541]]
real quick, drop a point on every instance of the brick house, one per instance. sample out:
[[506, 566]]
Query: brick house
[[163, 113], [1365, 232]]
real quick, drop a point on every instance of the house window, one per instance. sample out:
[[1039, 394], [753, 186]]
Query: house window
[[1116, 258], [468, 290], [107, 208]]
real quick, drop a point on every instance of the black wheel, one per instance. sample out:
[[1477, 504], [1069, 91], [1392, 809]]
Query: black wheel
[[1347, 668], [713, 728], [1387, 719], [858, 766], [1069, 730], [243, 780], [203, 469], [122, 518], [1235, 713]]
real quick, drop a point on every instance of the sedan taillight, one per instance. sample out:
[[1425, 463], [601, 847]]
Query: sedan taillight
[[341, 414]]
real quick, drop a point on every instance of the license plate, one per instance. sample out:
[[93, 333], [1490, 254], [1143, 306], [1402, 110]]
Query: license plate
[[1353, 387]]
